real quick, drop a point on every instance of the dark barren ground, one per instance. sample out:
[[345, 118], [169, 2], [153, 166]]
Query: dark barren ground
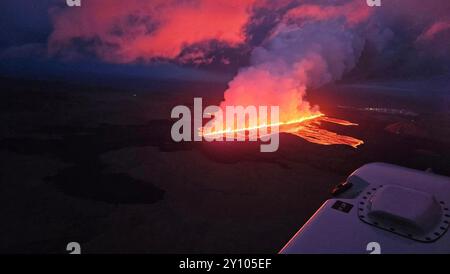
[[97, 166]]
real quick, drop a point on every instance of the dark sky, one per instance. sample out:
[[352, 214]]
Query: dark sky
[[24, 21]]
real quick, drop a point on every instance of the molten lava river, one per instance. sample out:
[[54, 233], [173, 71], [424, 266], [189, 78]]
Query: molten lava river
[[306, 127]]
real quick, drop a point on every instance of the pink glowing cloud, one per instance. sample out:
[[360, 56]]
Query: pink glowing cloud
[[127, 31]]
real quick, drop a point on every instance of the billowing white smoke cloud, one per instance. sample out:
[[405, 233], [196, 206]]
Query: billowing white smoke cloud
[[298, 55]]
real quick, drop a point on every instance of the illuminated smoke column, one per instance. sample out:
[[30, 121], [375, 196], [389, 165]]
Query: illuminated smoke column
[[312, 46], [294, 59]]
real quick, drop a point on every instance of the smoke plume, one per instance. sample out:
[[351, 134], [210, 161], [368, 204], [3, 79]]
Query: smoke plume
[[311, 46]]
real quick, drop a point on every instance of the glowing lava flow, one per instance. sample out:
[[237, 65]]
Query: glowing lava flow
[[307, 127], [262, 126], [311, 131]]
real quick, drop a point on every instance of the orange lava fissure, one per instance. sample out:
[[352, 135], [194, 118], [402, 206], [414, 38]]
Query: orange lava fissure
[[307, 127]]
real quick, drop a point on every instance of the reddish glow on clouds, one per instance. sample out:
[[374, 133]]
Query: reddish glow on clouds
[[434, 30], [354, 12], [126, 31]]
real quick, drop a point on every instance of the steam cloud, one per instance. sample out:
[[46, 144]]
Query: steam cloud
[[312, 46]]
